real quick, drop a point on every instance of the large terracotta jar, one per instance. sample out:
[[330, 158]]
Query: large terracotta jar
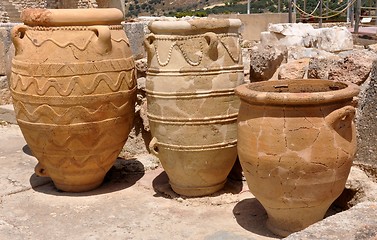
[[296, 143], [193, 68], [73, 89]]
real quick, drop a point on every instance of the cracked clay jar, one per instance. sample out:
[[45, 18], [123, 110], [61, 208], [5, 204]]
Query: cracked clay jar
[[296, 142]]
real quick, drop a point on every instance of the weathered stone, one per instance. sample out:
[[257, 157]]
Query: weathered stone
[[277, 39], [141, 81], [334, 39], [3, 82], [366, 121], [135, 32], [372, 47], [359, 222], [295, 69], [6, 47], [141, 67], [354, 67], [264, 61], [7, 114], [5, 96], [298, 52], [246, 54], [291, 29], [320, 67], [359, 188]]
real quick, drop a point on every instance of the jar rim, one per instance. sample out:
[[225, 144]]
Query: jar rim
[[194, 25], [297, 92], [71, 17]]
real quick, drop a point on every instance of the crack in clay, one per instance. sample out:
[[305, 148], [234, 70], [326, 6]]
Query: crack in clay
[[300, 128], [309, 121], [284, 129], [316, 138], [321, 164]]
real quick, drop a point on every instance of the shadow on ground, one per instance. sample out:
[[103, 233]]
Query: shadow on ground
[[251, 216], [163, 189], [124, 174]]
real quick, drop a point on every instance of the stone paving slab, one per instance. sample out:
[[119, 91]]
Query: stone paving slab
[[126, 206], [359, 223], [137, 204], [7, 114], [16, 162]]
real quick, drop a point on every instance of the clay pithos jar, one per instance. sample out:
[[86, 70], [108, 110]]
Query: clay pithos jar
[[193, 68], [73, 89], [296, 143]]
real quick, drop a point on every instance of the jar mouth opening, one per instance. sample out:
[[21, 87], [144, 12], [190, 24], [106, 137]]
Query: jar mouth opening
[[300, 91], [299, 86]]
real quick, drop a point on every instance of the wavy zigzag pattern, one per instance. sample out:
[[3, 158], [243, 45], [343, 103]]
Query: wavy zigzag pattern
[[75, 83], [75, 114], [102, 160], [72, 69], [67, 43], [93, 141]]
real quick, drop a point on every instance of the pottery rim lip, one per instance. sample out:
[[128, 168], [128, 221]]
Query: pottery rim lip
[[71, 17], [194, 25], [297, 92]]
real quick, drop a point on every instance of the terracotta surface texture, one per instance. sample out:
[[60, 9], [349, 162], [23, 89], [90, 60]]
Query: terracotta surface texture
[[296, 143], [73, 89], [193, 68]]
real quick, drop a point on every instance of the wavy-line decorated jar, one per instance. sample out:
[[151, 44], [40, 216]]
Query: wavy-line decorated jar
[[193, 68], [73, 89], [296, 143]]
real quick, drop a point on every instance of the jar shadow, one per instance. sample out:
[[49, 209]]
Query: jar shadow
[[251, 216], [123, 174], [163, 189]]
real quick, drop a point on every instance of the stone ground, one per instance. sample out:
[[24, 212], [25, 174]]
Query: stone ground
[[134, 203], [131, 204]]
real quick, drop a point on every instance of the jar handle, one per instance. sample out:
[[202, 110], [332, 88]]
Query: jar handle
[[341, 114], [40, 170], [103, 42], [153, 146], [149, 39], [17, 34], [212, 41]]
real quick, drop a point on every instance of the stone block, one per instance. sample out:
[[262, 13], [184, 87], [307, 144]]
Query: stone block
[[7, 114], [335, 39], [355, 66], [264, 61], [136, 32], [366, 122], [298, 52], [291, 29], [274, 39], [295, 69], [359, 222], [6, 47]]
